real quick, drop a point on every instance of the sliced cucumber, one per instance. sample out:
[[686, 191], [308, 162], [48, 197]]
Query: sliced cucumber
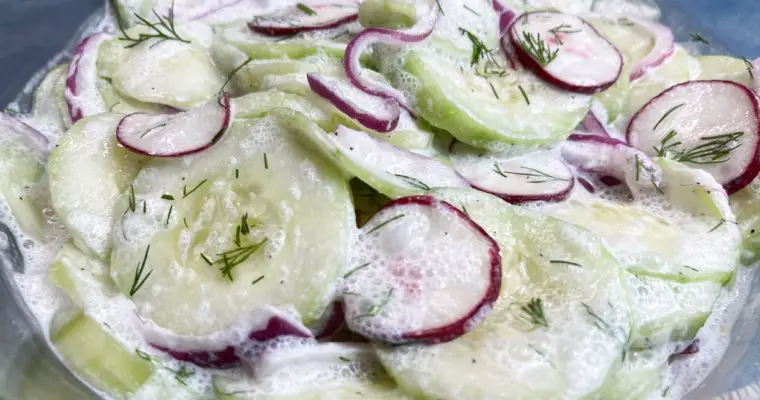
[[250, 77], [389, 170], [22, 174], [725, 68], [575, 335], [117, 103], [325, 371], [640, 377], [127, 10], [159, 72], [744, 204], [388, 14], [82, 278], [686, 235], [88, 171], [257, 105], [631, 39], [258, 46], [465, 104], [291, 201], [48, 102], [666, 311], [96, 356], [613, 99]]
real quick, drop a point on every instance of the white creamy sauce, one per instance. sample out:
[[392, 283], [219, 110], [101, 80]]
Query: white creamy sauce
[[118, 314]]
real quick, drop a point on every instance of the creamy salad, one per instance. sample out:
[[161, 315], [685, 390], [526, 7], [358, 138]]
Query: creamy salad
[[385, 199]]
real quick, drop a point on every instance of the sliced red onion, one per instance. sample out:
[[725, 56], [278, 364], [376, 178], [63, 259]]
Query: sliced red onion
[[174, 135], [432, 276], [664, 46], [576, 58], [710, 125], [587, 185], [82, 95], [376, 113], [419, 32], [220, 349], [538, 176], [593, 126], [507, 16], [303, 18], [331, 322], [16, 130]]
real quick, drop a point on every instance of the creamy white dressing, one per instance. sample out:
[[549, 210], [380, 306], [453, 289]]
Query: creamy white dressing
[[117, 313]]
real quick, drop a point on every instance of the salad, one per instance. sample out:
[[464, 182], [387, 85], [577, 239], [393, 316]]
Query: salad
[[386, 199]]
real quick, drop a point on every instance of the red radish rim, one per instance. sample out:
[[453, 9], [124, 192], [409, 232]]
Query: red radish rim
[[506, 17], [538, 69], [224, 102], [332, 323], [290, 30], [575, 137], [319, 86], [751, 170], [664, 46], [72, 89], [458, 327], [354, 49], [587, 185]]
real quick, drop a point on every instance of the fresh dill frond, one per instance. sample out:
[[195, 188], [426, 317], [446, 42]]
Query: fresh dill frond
[[162, 30], [139, 278], [533, 313], [353, 270], [306, 9], [533, 175], [413, 181], [697, 37], [377, 308], [537, 48], [383, 224], [186, 192], [232, 258], [667, 113]]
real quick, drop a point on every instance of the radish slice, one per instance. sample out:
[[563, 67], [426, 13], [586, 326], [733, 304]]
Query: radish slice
[[538, 176], [565, 51], [593, 126], [376, 113], [506, 17], [664, 46], [613, 159], [712, 125], [82, 95], [220, 349], [175, 135], [431, 274], [305, 18], [360, 42]]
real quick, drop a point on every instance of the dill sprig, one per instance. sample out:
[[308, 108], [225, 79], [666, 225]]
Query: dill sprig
[[533, 312], [234, 72], [537, 48], [353, 270], [186, 192], [471, 10], [524, 95], [713, 149], [232, 258], [306, 9], [381, 225], [440, 9], [480, 52], [266, 161], [167, 197], [179, 374], [574, 264], [169, 215], [257, 280], [377, 308], [133, 199], [413, 181], [667, 113], [493, 89], [599, 322], [139, 280], [162, 30], [750, 67], [533, 175], [719, 224], [562, 28], [696, 37]]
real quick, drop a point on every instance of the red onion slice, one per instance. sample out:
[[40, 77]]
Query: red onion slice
[[82, 95], [14, 129], [664, 46], [376, 113], [360, 42], [174, 135], [592, 125], [304, 18]]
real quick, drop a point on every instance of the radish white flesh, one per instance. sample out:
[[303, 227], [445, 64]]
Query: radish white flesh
[[174, 135], [376, 113], [538, 176], [431, 274], [613, 159], [220, 349], [712, 125], [82, 95], [360, 43], [303, 18], [664, 46], [565, 51]]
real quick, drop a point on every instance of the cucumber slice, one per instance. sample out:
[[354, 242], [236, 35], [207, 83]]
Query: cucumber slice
[[389, 170], [48, 102], [82, 278], [567, 6], [258, 46], [631, 39], [640, 377], [257, 105], [687, 236], [291, 201], [725, 68], [250, 77], [744, 204], [88, 171], [98, 358], [126, 10], [159, 72], [391, 14], [679, 67], [613, 99], [325, 371], [665, 311], [22, 174], [464, 104], [117, 103], [563, 346]]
